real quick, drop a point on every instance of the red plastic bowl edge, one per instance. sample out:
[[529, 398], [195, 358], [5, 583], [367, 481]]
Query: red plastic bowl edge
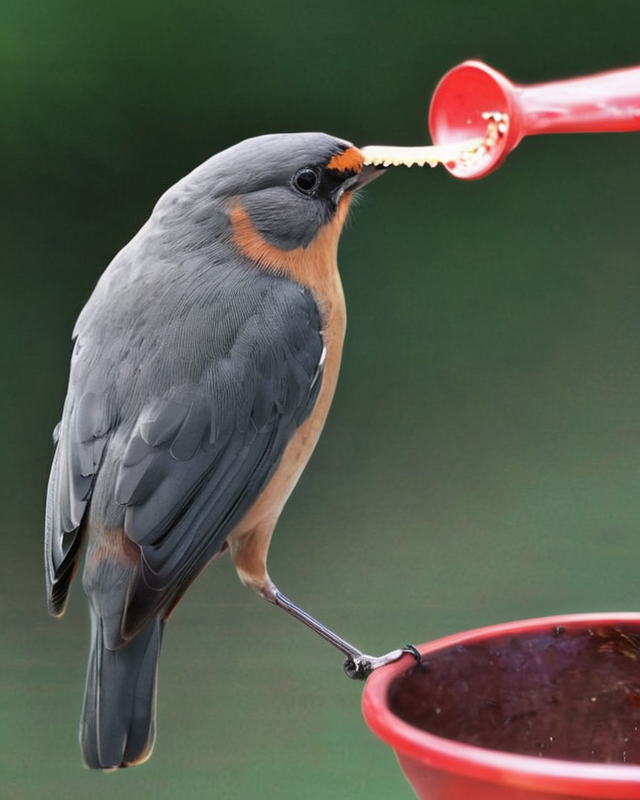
[[542, 774]]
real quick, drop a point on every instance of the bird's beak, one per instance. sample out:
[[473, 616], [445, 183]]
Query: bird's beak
[[366, 174]]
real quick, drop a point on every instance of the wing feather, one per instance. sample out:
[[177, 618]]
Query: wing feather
[[82, 436], [231, 439], [174, 424]]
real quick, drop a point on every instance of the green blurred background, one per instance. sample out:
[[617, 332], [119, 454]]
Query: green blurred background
[[482, 459]]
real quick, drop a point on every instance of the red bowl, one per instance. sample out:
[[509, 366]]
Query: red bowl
[[542, 709]]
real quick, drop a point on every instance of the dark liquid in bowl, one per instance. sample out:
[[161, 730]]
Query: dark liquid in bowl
[[569, 694]]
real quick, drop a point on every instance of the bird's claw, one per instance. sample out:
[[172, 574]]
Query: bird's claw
[[360, 667]]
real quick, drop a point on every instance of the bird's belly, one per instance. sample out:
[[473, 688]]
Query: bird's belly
[[250, 540]]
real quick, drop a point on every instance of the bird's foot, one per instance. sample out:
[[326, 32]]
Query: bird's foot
[[361, 666], [358, 665]]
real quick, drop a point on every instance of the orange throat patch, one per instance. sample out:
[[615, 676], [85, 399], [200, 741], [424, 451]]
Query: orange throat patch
[[310, 266]]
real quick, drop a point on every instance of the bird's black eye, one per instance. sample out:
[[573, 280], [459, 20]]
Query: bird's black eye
[[306, 180]]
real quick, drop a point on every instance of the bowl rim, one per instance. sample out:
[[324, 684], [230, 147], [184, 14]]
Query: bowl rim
[[542, 774]]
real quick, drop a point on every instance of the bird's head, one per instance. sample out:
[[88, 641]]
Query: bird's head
[[273, 194], [293, 185]]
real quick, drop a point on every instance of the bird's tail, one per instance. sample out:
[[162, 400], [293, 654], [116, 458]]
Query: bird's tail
[[117, 728]]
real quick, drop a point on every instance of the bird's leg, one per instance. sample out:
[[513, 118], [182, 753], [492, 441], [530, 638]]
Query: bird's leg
[[248, 550], [357, 665]]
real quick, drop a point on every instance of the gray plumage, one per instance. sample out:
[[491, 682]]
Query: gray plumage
[[192, 369]]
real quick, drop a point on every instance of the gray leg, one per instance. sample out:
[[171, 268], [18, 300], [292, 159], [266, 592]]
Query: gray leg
[[357, 665]]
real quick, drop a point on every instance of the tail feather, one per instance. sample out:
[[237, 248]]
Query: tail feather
[[117, 728]]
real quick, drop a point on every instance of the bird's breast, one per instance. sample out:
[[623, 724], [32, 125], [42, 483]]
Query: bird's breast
[[315, 267]]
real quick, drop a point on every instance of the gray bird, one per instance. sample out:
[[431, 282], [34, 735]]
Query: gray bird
[[203, 369]]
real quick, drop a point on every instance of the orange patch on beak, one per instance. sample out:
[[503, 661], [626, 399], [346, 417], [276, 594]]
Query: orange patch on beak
[[350, 160]]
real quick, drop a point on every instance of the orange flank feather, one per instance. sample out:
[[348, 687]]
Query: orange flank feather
[[113, 546]]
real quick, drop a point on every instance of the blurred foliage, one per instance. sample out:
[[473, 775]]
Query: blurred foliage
[[482, 459]]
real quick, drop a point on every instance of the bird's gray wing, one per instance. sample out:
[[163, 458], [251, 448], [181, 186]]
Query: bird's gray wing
[[200, 453], [80, 439]]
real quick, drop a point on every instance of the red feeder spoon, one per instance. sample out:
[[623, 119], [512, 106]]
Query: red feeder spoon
[[472, 94]]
